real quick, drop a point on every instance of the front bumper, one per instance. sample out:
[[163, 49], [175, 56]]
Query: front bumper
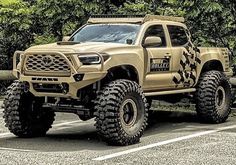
[[55, 81]]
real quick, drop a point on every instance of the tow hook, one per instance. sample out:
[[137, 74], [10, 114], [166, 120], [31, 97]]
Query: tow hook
[[65, 88]]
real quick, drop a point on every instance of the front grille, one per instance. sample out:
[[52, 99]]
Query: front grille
[[46, 63], [44, 79]]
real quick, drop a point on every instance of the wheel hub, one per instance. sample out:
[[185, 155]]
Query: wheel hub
[[220, 97], [128, 111]]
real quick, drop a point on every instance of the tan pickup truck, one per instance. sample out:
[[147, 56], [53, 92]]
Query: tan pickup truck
[[111, 69]]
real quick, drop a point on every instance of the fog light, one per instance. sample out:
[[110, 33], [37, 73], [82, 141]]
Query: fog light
[[78, 77]]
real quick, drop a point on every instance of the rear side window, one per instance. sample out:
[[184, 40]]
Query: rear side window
[[178, 35], [156, 31]]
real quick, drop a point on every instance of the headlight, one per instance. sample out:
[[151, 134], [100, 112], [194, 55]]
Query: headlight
[[90, 59]]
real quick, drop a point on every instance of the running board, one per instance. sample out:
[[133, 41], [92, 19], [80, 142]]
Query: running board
[[170, 92]]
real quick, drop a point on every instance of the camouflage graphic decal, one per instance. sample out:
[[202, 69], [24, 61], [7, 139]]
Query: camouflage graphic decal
[[188, 62]]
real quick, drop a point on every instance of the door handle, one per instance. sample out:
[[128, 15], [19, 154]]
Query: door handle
[[167, 56]]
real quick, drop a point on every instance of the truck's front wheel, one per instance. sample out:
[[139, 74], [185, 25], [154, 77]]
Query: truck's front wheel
[[24, 114], [213, 97], [121, 113]]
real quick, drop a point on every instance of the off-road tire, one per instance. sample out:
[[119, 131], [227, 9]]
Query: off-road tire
[[213, 97], [23, 113], [233, 93], [110, 114]]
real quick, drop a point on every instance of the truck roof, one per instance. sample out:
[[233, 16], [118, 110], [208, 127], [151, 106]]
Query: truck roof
[[132, 18]]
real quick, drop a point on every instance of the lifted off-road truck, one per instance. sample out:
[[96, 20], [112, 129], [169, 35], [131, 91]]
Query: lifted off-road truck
[[111, 69]]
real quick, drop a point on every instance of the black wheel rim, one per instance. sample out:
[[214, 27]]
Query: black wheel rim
[[129, 112], [220, 97], [131, 120]]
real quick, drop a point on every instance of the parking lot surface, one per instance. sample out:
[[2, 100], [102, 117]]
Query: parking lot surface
[[173, 137]]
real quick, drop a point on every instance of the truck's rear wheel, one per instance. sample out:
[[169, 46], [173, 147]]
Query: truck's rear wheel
[[121, 113], [213, 97], [23, 113]]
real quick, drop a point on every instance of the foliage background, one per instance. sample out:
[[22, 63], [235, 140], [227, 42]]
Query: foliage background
[[31, 22]]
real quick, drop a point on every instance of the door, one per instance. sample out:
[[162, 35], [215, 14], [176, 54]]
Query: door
[[184, 57], [158, 68]]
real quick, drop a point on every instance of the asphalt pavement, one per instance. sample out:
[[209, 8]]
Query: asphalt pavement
[[173, 137]]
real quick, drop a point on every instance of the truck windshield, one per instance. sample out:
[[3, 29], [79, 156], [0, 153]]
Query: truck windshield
[[111, 33]]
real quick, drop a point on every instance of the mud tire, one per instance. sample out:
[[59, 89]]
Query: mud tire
[[23, 113], [111, 115], [213, 97]]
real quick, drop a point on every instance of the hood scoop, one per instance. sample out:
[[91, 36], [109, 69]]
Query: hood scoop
[[67, 43]]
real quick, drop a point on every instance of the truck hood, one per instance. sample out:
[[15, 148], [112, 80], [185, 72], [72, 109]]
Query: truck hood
[[80, 47]]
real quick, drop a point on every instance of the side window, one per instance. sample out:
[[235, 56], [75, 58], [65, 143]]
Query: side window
[[157, 31], [178, 35]]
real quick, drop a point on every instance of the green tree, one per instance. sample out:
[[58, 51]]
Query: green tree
[[60, 17], [15, 27], [213, 23], [27, 22]]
